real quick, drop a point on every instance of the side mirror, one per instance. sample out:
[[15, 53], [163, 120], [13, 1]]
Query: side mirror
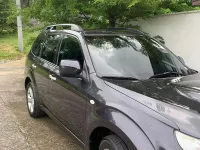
[[160, 39], [69, 68], [181, 59]]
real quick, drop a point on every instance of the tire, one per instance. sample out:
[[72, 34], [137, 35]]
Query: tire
[[112, 142], [32, 102]]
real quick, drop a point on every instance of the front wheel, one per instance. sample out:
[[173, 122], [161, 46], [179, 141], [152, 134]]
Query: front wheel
[[112, 142]]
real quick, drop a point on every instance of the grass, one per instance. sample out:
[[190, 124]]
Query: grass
[[9, 45]]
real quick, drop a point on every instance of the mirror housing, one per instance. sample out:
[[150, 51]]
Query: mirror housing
[[181, 59], [69, 68]]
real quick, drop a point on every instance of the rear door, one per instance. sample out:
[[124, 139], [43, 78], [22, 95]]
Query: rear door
[[43, 63], [68, 95], [40, 78]]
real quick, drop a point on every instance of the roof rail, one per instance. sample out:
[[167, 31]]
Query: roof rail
[[73, 27], [127, 29]]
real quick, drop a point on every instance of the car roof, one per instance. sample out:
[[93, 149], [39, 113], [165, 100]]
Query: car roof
[[113, 31], [76, 29]]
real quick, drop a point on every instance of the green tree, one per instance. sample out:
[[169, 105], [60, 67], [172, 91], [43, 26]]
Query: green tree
[[100, 13], [4, 12], [169, 6], [124, 11], [5, 9], [112, 12]]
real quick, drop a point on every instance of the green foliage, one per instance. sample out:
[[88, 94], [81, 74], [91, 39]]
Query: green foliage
[[30, 37], [102, 13], [9, 45], [4, 11], [93, 13], [169, 6], [5, 26], [53, 11]]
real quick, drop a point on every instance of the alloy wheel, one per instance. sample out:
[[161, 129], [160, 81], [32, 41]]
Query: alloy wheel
[[31, 100]]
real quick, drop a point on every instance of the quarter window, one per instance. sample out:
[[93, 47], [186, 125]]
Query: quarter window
[[37, 46], [50, 47]]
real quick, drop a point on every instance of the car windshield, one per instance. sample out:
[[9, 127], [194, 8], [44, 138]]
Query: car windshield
[[139, 57]]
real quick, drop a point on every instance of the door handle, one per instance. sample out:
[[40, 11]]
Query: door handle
[[52, 78], [34, 66]]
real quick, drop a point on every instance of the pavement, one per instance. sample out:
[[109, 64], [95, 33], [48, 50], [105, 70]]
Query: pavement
[[18, 131]]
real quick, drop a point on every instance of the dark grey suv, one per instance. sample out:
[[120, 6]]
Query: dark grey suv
[[114, 89]]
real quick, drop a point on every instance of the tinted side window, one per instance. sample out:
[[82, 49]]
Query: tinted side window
[[37, 46], [70, 49], [50, 47]]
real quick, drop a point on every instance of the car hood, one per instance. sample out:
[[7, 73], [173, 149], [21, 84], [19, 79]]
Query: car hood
[[179, 98]]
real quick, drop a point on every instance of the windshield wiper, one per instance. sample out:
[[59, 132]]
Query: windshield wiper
[[119, 78], [166, 74]]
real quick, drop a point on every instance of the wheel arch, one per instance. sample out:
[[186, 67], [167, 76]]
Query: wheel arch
[[29, 77], [102, 131], [111, 121], [27, 80], [97, 135]]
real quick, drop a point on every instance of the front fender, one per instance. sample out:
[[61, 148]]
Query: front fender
[[122, 126]]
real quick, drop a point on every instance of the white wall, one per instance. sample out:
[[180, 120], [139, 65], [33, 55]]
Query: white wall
[[181, 32]]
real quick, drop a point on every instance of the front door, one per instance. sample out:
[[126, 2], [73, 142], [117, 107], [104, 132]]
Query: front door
[[68, 95]]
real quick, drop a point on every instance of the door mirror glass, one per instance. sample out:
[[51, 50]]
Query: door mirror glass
[[69, 68], [181, 59]]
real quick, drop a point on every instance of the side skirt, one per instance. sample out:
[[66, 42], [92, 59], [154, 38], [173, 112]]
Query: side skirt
[[63, 127]]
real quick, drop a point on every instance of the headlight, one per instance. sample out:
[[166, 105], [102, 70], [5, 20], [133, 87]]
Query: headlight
[[187, 142]]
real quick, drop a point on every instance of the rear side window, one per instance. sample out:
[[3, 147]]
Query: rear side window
[[37, 46], [50, 47]]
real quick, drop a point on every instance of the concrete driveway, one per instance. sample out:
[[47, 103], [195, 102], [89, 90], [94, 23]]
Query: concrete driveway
[[18, 131]]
